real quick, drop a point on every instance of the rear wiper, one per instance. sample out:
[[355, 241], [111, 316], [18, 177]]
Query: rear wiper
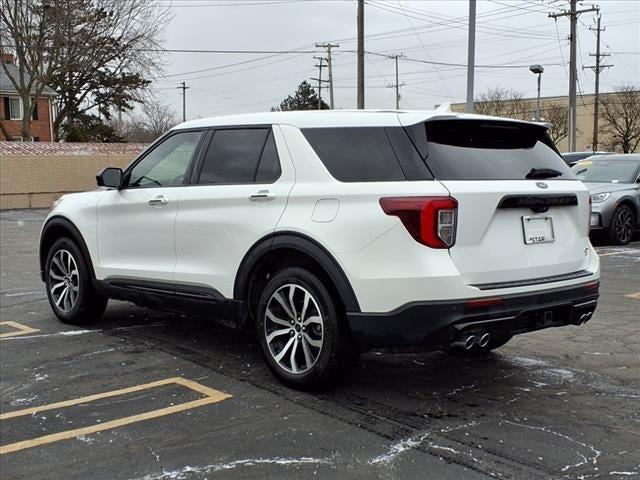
[[542, 173]]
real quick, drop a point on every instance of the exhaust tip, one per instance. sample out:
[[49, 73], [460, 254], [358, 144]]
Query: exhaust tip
[[465, 343], [484, 340], [468, 343]]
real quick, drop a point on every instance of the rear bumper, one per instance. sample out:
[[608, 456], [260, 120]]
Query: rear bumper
[[440, 323]]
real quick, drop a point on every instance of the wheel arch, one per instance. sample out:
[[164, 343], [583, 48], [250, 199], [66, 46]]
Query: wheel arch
[[55, 228], [288, 248], [628, 202]]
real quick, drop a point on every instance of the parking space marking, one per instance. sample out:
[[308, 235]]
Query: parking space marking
[[210, 396], [634, 295], [20, 329]]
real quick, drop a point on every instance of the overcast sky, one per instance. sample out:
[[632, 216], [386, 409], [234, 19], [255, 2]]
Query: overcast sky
[[508, 33]]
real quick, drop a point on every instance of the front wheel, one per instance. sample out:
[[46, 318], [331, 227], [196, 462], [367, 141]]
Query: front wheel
[[68, 283], [303, 336], [622, 225]]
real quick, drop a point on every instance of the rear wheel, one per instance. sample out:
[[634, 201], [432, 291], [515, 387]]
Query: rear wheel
[[68, 283], [302, 333], [622, 225]]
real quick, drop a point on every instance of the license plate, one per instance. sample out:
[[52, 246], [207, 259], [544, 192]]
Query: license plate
[[537, 229]]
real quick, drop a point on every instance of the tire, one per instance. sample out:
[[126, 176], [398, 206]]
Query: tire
[[68, 284], [623, 225], [308, 348]]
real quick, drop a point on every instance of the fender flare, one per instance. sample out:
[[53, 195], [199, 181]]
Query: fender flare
[[303, 244], [60, 222]]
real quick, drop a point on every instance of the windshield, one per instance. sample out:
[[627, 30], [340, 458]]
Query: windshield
[[606, 171]]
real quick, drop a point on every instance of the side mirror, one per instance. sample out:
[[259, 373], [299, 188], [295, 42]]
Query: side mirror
[[110, 177]]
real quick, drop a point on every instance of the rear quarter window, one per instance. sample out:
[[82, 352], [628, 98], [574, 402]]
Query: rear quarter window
[[356, 154]]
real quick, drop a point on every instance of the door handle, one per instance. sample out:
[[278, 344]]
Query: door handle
[[159, 200], [261, 196]]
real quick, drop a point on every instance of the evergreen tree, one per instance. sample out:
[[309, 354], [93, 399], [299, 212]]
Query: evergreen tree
[[305, 98]]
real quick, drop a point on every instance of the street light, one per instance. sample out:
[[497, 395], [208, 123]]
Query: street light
[[537, 69]]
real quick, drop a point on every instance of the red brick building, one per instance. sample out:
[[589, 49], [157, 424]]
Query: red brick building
[[11, 108]]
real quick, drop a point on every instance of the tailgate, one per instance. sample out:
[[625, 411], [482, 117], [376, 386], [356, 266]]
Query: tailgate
[[515, 230]]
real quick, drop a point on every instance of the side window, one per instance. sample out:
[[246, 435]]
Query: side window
[[167, 163], [356, 154], [233, 156], [269, 168]]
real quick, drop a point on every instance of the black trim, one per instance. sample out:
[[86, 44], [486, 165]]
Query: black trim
[[197, 299], [538, 203], [533, 281], [303, 244], [73, 231], [440, 323]]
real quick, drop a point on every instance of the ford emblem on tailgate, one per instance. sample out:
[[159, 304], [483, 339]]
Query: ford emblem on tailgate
[[542, 185]]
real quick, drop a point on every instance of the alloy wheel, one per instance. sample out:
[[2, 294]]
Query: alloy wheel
[[64, 280], [293, 328], [624, 225]]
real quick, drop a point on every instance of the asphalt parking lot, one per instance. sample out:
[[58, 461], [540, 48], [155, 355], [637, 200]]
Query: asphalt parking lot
[[148, 395]]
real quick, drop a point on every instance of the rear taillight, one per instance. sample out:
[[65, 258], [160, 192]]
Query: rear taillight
[[430, 220]]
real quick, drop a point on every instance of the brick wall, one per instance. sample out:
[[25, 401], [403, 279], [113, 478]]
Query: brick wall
[[33, 175], [40, 128]]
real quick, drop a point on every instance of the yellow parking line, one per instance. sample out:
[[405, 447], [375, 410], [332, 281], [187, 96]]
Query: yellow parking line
[[634, 295], [20, 329], [211, 396]]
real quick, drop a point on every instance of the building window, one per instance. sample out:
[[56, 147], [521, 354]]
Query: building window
[[15, 108]]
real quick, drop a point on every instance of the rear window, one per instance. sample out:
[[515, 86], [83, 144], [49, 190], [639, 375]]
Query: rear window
[[488, 150], [367, 154]]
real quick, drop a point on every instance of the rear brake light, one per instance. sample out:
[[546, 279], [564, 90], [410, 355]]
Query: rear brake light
[[431, 221]]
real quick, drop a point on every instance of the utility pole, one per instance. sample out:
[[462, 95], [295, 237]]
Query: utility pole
[[597, 68], [329, 46], [471, 54], [320, 66], [573, 69], [360, 54], [184, 88], [397, 85]]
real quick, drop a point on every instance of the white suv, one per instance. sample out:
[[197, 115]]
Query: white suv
[[327, 232]]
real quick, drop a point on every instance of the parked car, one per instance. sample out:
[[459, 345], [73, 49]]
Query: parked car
[[329, 232], [571, 158], [614, 185]]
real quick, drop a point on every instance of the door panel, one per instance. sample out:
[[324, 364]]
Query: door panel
[[135, 227], [217, 224]]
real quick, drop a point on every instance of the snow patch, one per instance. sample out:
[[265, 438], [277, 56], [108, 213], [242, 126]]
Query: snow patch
[[190, 471]]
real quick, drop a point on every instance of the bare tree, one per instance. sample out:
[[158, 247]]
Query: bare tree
[[95, 53], [502, 102], [621, 113], [26, 26], [155, 119], [113, 46], [557, 115]]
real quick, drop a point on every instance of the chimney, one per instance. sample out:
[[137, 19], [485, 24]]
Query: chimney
[[7, 58]]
